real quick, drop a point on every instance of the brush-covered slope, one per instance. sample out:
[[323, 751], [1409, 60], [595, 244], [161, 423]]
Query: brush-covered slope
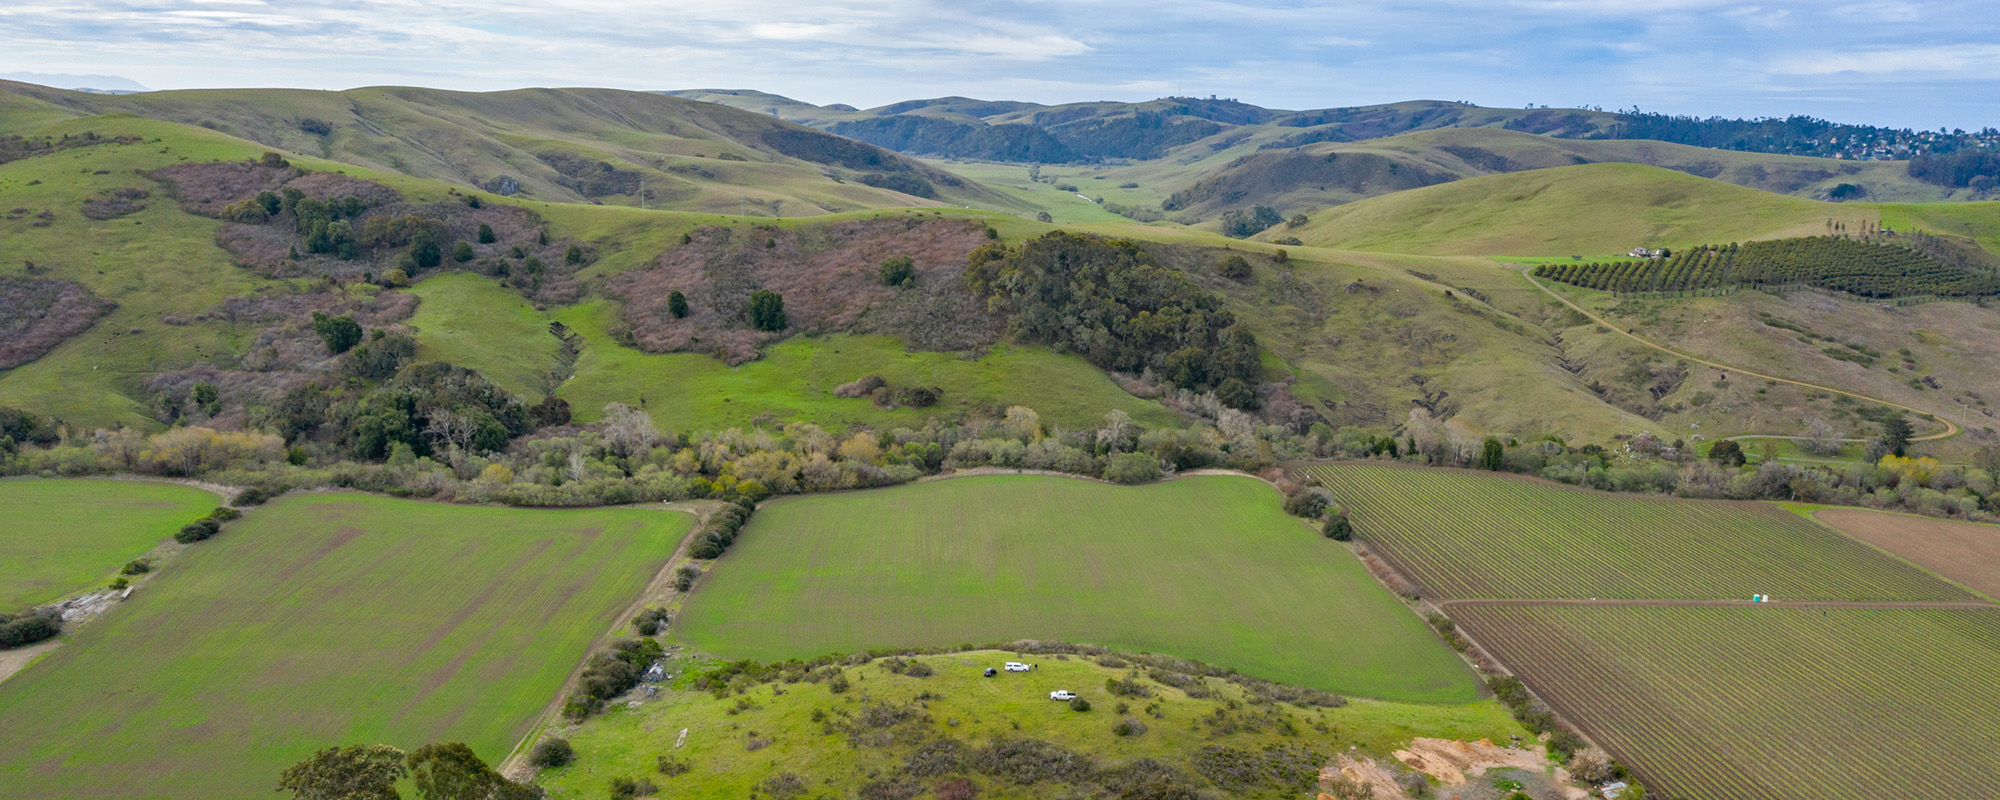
[[1590, 209], [564, 145]]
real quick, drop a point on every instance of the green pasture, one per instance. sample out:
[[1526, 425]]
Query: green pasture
[[1207, 568], [1462, 534], [326, 619], [475, 322], [958, 703], [61, 536]]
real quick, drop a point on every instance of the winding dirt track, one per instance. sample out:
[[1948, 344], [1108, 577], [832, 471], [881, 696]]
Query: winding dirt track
[[1950, 428]]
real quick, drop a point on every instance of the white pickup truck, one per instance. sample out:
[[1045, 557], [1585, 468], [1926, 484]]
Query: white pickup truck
[[1063, 695], [1016, 666]]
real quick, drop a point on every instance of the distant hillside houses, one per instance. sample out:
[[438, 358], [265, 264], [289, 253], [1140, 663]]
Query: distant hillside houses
[[1641, 252]]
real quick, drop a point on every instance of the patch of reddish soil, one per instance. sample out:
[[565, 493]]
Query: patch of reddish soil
[[827, 274], [1965, 552]]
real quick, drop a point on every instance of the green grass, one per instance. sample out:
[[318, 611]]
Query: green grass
[[1462, 534], [67, 535], [1591, 208], [1770, 703], [960, 704], [320, 620], [473, 321], [1207, 568]]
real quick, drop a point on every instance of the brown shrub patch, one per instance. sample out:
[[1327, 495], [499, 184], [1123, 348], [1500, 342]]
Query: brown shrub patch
[[36, 314], [827, 274], [207, 188], [115, 204]]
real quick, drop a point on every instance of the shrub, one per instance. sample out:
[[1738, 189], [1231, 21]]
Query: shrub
[[767, 311], [1236, 393], [28, 629], [685, 577], [1338, 528], [838, 685], [197, 531], [139, 567], [677, 305], [1306, 503], [897, 271], [1128, 727], [552, 752], [673, 767], [650, 621], [1727, 453], [461, 252], [225, 514], [1130, 468], [1079, 704], [339, 333], [1235, 268], [486, 234], [783, 785], [955, 789], [1030, 761], [627, 788], [574, 255], [259, 495]]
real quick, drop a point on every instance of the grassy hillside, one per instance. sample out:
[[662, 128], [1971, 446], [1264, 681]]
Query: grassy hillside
[[1591, 209], [81, 532], [1207, 568], [571, 145], [472, 321], [326, 619], [818, 736]]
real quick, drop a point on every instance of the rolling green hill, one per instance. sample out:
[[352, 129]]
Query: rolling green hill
[[567, 145], [1589, 209]]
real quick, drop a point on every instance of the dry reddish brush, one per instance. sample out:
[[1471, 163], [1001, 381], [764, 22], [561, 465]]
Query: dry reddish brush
[[207, 188], [36, 314], [828, 275], [115, 203]]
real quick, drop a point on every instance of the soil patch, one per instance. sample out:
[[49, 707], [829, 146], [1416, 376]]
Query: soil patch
[[1965, 552]]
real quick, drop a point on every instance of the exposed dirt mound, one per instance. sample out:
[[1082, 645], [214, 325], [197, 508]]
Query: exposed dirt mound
[[828, 275], [36, 314]]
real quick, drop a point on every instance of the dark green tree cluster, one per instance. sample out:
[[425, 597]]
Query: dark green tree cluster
[[766, 311], [425, 408], [611, 673], [898, 271], [438, 771], [339, 333], [1112, 303], [1244, 222]]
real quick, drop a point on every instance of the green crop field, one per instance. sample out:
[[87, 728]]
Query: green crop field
[[1462, 534], [320, 620], [61, 535], [1770, 703], [957, 703], [1208, 568]]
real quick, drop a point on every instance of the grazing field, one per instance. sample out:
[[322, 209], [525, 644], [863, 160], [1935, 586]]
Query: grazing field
[[320, 620], [1462, 534], [955, 703], [1769, 703], [61, 535], [1208, 568], [473, 321], [1966, 552]]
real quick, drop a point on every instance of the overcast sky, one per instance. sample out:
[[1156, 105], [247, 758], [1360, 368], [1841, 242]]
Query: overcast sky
[[1907, 64]]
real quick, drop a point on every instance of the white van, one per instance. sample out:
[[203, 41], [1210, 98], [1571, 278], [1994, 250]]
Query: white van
[[1064, 695], [1016, 666]]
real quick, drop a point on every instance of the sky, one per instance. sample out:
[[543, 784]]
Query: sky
[[1903, 64]]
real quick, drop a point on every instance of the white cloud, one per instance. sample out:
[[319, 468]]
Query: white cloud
[[1966, 60]]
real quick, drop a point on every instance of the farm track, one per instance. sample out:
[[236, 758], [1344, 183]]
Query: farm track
[[1951, 428], [515, 765]]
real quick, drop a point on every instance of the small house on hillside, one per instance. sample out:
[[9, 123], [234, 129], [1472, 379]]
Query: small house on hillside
[[1641, 252], [656, 673]]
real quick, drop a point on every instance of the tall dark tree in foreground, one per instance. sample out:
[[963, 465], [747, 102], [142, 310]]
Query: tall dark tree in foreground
[[354, 772], [767, 311], [1727, 453], [1896, 433]]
